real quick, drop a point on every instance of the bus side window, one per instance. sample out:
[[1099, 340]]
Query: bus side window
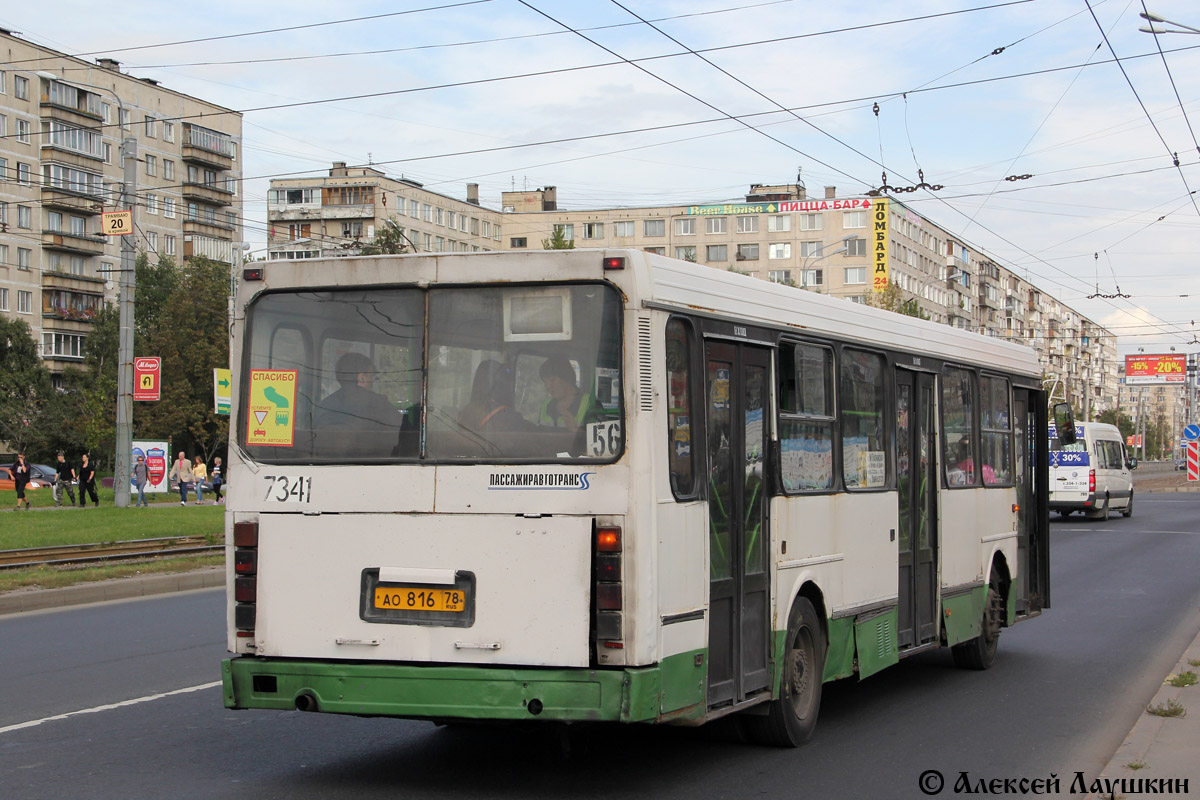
[[864, 434], [805, 417], [958, 424], [996, 431], [681, 449]]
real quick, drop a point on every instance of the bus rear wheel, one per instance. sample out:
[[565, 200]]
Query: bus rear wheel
[[980, 652], [792, 716]]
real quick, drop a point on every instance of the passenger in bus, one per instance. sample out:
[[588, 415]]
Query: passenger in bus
[[566, 407], [490, 409], [963, 471], [363, 421]]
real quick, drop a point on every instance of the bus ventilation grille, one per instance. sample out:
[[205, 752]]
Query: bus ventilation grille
[[884, 632], [645, 367]]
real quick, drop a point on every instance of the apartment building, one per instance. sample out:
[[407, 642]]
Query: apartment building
[[62, 121], [778, 233], [338, 213]]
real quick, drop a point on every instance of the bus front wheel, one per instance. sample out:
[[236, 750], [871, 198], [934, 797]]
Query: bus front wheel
[[980, 652], [793, 715]]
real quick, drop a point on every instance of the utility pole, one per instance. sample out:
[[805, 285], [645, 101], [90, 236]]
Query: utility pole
[[125, 335]]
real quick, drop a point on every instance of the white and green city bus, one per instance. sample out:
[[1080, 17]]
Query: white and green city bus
[[732, 492]]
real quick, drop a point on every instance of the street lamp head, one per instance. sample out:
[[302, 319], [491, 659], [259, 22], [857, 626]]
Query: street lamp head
[[1152, 17]]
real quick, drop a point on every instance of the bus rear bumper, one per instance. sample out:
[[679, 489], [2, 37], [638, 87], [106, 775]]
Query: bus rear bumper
[[452, 692]]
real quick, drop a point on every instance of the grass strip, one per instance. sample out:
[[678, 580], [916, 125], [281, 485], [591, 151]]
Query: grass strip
[[59, 577]]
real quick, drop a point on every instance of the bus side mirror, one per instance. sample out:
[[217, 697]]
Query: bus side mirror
[[1132, 463], [1064, 422]]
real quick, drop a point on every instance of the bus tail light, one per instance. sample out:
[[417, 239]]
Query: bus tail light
[[607, 592], [245, 582], [1091, 481]]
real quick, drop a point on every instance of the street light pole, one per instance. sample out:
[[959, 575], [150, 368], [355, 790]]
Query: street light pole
[[1152, 18], [128, 284]]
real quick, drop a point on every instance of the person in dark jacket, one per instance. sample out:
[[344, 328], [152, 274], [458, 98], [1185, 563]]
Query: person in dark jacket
[[87, 482], [64, 480], [20, 471], [141, 476]]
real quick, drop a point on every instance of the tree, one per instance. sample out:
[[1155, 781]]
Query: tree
[[558, 240], [1113, 416], [24, 386], [892, 299], [189, 332], [389, 240]]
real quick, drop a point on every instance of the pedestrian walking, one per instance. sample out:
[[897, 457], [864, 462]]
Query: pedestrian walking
[[218, 479], [64, 480], [141, 476], [87, 482], [20, 471], [199, 476], [181, 471]]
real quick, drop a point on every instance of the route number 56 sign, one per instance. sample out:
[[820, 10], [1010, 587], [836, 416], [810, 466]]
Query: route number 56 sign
[[116, 223]]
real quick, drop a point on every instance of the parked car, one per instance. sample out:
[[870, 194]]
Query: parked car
[[7, 482], [1180, 464], [42, 473]]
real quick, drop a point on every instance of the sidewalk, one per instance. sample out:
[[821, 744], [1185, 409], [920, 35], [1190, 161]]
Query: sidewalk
[[22, 600], [1161, 751]]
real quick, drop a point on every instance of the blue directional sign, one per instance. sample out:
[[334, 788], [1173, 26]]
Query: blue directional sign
[[1192, 433]]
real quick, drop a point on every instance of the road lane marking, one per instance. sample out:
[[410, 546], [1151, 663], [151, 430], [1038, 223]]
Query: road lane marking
[[35, 722]]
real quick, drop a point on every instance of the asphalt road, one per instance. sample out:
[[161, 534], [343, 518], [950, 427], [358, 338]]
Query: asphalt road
[[1065, 689]]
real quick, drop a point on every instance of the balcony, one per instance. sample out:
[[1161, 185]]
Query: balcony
[[312, 211], [206, 193], [74, 243], [208, 227], [62, 199], [207, 147]]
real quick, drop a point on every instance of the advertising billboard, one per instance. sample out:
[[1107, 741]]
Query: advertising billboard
[[158, 462], [1145, 370]]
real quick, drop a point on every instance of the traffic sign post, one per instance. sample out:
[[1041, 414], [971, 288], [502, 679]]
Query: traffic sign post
[[1193, 461], [1191, 433], [147, 378], [222, 391]]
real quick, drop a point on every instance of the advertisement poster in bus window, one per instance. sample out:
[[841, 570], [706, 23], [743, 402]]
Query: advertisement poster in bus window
[[720, 390], [271, 407], [608, 388]]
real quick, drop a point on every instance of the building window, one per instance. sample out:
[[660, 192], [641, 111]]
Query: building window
[[54, 221], [487, 229], [593, 230], [62, 345], [854, 219], [24, 217], [810, 222], [779, 250], [24, 258], [856, 275], [812, 277], [168, 169], [23, 128], [296, 230], [747, 252], [716, 225], [438, 218], [450, 219], [414, 209], [517, 242], [716, 252], [168, 206], [810, 249], [24, 302], [20, 87], [22, 174], [78, 226], [686, 253], [168, 131], [3, 299], [150, 127], [151, 165], [780, 275], [658, 251], [685, 227], [654, 227], [568, 231], [622, 230], [152, 241], [747, 224], [778, 223], [169, 245], [151, 204], [4, 255], [439, 244], [427, 212], [856, 247], [123, 118], [352, 230]]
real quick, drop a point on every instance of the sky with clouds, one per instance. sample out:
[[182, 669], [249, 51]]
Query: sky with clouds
[[1051, 126]]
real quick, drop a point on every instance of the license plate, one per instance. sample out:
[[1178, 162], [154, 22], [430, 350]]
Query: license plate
[[420, 598]]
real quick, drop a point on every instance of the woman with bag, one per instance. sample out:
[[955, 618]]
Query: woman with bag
[[199, 476]]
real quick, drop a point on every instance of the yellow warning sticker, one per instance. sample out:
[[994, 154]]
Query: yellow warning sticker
[[271, 407]]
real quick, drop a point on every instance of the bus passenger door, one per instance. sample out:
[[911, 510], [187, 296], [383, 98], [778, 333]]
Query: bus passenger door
[[918, 540], [737, 392], [1033, 544]]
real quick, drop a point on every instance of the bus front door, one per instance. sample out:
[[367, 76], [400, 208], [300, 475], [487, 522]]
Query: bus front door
[[917, 473], [738, 395]]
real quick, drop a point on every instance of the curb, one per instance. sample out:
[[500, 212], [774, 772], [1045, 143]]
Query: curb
[[119, 589], [1166, 746]]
